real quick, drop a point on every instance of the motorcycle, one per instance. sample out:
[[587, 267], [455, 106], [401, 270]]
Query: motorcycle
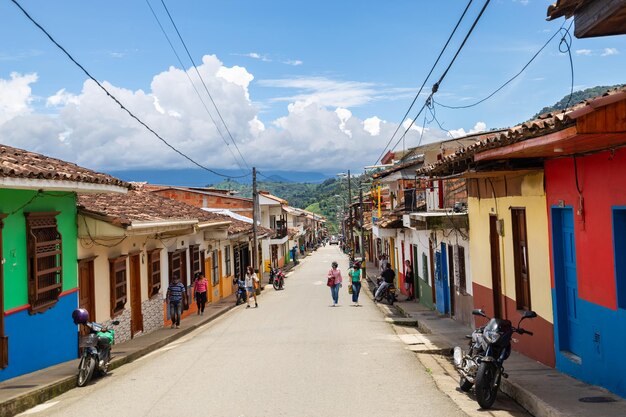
[[278, 282], [242, 293], [388, 293], [96, 351], [482, 364]]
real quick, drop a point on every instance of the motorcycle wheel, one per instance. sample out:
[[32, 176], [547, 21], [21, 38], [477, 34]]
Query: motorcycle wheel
[[486, 390], [390, 298], [276, 285], [465, 385], [85, 370]]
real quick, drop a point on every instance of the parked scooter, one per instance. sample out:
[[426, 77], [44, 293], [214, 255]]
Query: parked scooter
[[278, 281], [96, 347], [242, 293], [489, 347], [388, 294]]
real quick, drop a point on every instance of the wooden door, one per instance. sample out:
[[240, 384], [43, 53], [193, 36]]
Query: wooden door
[[494, 240], [136, 316], [451, 277], [86, 298]]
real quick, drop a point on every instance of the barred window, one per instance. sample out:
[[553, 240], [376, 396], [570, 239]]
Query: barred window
[[154, 272], [45, 278], [117, 278], [215, 268], [227, 260], [178, 266], [197, 260]]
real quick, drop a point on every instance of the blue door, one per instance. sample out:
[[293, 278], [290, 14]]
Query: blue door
[[566, 282], [441, 280]]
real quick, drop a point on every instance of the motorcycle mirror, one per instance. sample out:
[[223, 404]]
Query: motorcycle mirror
[[529, 314], [115, 322], [479, 312]]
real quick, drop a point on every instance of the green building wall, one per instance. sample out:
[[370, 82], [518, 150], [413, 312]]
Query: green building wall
[[14, 203]]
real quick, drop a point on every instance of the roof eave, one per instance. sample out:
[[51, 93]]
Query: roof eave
[[55, 185]]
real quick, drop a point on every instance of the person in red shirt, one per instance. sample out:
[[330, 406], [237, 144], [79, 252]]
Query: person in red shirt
[[200, 288]]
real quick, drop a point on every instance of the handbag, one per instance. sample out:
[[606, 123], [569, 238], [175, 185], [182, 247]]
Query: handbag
[[331, 281], [350, 289]]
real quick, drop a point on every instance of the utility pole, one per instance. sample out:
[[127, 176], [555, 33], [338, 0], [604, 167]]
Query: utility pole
[[350, 216], [255, 215]]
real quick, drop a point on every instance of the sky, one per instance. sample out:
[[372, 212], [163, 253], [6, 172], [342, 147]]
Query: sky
[[305, 86]]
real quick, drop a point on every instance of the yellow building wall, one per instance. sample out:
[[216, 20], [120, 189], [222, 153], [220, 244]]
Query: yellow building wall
[[533, 199]]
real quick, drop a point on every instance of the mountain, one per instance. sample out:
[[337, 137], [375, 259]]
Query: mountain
[[577, 96], [196, 177]]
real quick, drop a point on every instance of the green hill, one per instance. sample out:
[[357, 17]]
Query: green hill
[[577, 96]]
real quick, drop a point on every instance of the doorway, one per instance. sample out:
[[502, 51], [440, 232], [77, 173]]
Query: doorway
[[136, 316], [494, 240]]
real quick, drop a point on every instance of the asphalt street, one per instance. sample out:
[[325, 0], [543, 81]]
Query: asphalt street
[[294, 355]]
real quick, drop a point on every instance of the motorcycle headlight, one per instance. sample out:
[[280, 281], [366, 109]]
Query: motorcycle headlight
[[491, 336]]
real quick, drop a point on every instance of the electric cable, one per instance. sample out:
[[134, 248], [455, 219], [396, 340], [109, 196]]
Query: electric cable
[[425, 80], [560, 30], [203, 83], [131, 114], [193, 84], [435, 87]]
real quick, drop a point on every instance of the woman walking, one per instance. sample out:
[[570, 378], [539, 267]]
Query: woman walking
[[335, 275], [200, 288], [251, 282], [355, 280]]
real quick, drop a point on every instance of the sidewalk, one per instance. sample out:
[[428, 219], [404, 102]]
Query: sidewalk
[[26, 391], [542, 391]]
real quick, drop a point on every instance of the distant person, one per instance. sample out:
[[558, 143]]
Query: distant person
[[382, 263], [355, 280], [176, 297], [334, 280], [252, 282], [388, 277], [408, 280], [200, 287]]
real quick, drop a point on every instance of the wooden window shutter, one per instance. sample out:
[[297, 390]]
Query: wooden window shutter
[[462, 275], [44, 246], [117, 279], [154, 272]]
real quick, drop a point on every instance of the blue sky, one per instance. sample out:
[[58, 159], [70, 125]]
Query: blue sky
[[305, 85]]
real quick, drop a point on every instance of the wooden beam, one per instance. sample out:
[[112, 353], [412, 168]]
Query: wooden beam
[[600, 18], [505, 151]]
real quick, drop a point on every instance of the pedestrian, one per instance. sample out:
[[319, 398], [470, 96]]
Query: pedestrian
[[252, 281], [388, 277], [176, 296], [382, 263], [408, 280], [200, 288], [334, 277], [355, 280]]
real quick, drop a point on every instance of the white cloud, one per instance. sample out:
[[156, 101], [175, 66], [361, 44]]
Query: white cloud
[[372, 125], [583, 52], [294, 62], [319, 132], [478, 127], [609, 51], [15, 95]]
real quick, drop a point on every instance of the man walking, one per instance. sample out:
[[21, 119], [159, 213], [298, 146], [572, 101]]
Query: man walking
[[176, 296]]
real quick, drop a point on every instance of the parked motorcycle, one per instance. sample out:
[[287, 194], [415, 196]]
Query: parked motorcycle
[[96, 347], [242, 293], [279, 280], [482, 364], [388, 294]]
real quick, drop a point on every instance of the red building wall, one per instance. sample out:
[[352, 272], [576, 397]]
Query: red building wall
[[602, 180], [239, 205]]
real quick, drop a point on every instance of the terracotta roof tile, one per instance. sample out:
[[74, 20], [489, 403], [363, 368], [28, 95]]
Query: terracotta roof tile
[[18, 163], [140, 205]]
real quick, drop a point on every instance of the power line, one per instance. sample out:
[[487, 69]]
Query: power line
[[560, 30], [438, 83], [425, 80], [116, 100], [193, 84], [203, 83]]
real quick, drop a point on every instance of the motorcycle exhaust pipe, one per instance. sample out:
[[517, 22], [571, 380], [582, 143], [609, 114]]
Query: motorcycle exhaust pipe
[[457, 356]]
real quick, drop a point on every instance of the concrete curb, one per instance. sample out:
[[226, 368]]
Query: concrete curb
[[31, 399]]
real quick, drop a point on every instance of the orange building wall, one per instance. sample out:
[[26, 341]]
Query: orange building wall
[[199, 200]]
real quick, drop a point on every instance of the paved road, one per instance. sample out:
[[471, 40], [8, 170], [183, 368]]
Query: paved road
[[295, 355]]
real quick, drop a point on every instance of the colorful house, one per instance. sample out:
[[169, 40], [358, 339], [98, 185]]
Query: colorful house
[[563, 173], [38, 273]]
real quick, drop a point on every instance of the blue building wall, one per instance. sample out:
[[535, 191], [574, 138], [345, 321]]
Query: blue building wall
[[604, 341], [41, 340]]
